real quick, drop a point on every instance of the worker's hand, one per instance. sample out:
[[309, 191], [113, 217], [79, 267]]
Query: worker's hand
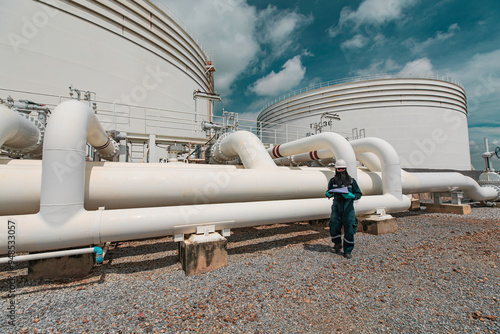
[[349, 195], [328, 194]]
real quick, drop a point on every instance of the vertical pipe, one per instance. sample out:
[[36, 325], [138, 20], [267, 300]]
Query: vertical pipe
[[391, 169], [71, 125], [487, 159]]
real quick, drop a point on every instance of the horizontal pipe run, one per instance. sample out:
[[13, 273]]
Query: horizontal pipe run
[[414, 183], [161, 185], [118, 188], [305, 157], [34, 233], [444, 182], [50, 255]]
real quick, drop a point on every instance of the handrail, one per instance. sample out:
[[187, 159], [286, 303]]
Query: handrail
[[362, 78]]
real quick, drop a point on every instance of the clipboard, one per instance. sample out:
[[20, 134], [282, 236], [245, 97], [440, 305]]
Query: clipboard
[[342, 190]]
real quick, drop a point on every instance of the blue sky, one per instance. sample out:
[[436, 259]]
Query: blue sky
[[267, 48]]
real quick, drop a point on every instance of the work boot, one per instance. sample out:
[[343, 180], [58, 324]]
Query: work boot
[[348, 256], [337, 248]]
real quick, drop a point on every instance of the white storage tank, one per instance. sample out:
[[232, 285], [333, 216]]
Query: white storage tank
[[140, 62], [425, 119]]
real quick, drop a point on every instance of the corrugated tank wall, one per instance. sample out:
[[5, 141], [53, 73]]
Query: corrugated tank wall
[[425, 119], [141, 63]]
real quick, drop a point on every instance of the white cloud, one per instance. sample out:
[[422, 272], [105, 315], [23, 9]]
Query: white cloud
[[371, 12], [379, 66], [315, 81], [439, 37], [379, 39], [481, 78], [357, 42], [278, 28], [225, 26], [238, 33], [481, 74], [274, 83], [422, 66]]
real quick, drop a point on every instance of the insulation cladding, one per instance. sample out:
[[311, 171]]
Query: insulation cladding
[[139, 60], [425, 119]]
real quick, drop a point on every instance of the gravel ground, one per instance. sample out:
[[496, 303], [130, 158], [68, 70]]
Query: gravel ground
[[439, 274]]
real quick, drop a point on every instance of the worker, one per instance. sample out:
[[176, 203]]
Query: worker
[[344, 190]]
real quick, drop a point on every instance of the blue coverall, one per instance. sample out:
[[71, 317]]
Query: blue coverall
[[343, 215]]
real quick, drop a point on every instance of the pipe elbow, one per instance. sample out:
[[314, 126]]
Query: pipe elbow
[[337, 145], [481, 193], [72, 125], [246, 146], [20, 133]]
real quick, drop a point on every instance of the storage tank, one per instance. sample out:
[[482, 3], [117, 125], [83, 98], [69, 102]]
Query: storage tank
[[138, 63], [424, 118]]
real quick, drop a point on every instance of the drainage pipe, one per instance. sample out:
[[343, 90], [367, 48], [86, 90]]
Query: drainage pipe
[[48, 255], [17, 132], [337, 145]]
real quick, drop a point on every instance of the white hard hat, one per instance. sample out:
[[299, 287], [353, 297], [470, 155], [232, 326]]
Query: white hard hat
[[340, 163]]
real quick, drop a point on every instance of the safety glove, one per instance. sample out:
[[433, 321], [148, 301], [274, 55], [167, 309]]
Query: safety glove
[[328, 194], [349, 195]]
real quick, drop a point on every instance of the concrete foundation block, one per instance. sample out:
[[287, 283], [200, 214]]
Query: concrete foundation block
[[75, 266], [462, 209], [359, 228], [378, 225], [415, 204], [322, 222], [200, 253]]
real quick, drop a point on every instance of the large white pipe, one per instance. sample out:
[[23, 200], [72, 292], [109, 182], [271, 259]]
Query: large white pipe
[[413, 183], [444, 182], [17, 132], [151, 185], [305, 157], [116, 187], [71, 125], [391, 169], [335, 143], [62, 222], [34, 233], [247, 147]]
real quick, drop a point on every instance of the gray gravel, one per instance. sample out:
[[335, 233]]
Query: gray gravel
[[439, 274]]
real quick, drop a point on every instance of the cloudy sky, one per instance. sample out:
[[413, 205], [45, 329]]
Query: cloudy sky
[[267, 48]]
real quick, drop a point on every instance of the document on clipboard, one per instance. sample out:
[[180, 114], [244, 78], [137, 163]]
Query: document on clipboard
[[341, 190]]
